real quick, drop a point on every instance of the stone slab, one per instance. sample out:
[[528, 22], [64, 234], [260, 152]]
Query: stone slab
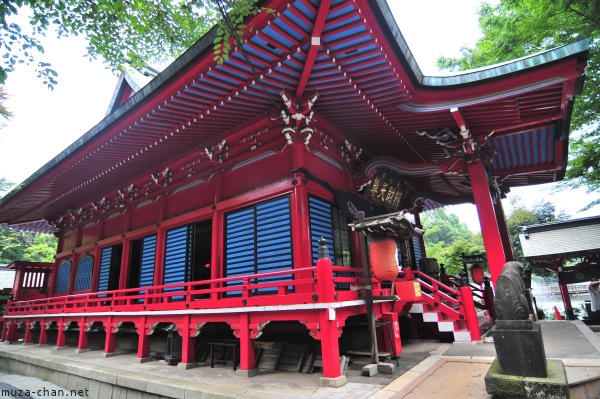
[[247, 373], [370, 370], [504, 386], [184, 366], [386, 368], [333, 382]]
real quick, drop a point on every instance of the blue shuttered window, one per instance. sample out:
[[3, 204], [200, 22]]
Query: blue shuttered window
[[84, 273], [329, 222], [418, 250], [64, 277], [104, 273], [177, 257], [258, 240], [147, 262]]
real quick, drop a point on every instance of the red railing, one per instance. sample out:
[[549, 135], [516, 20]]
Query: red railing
[[435, 293], [484, 295], [307, 285]]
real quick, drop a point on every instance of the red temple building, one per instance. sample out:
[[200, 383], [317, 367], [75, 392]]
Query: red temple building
[[199, 201]]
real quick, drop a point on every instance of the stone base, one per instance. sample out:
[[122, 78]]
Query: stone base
[[370, 370], [246, 373], [60, 348], [42, 345], [186, 366], [27, 343], [504, 386], [82, 350], [110, 354], [144, 359], [333, 382], [386, 368], [520, 347]]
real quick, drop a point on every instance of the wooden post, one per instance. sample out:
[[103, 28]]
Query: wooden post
[[62, 336], [369, 294], [27, 339], [247, 358], [82, 345], [43, 333], [487, 218]]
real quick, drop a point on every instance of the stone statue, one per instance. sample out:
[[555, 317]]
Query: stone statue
[[511, 302]]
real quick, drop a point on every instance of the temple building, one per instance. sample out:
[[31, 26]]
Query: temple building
[[200, 201]]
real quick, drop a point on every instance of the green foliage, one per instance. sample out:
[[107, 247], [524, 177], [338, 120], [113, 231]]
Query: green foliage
[[121, 31], [519, 215], [447, 239], [515, 28], [24, 246]]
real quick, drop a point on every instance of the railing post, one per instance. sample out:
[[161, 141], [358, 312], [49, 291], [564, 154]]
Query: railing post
[[466, 297], [326, 287], [488, 299], [408, 274], [245, 289]]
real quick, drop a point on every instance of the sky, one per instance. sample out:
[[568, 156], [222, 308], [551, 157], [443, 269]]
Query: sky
[[46, 122]]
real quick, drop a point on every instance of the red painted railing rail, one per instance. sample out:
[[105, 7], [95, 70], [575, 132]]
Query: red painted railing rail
[[236, 291]]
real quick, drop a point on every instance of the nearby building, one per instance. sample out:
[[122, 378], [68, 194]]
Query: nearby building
[[200, 199]]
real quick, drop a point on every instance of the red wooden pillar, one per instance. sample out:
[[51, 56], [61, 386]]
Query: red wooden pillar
[[111, 339], [12, 332], [393, 329], [330, 350], [509, 254], [43, 333], [487, 218], [188, 344], [301, 230], [62, 335], [124, 264], [18, 283], [564, 293], [4, 330], [82, 344], [215, 256], [247, 359], [143, 341], [27, 339], [158, 262]]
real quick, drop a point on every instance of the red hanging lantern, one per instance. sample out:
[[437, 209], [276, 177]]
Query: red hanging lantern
[[384, 260], [477, 274]]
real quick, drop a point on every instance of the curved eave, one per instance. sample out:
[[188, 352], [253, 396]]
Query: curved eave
[[477, 75], [154, 87]]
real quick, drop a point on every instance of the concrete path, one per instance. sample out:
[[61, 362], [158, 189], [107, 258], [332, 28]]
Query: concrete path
[[427, 368]]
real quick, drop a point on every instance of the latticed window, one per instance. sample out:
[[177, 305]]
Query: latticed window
[[328, 221], [64, 277], [84, 273]]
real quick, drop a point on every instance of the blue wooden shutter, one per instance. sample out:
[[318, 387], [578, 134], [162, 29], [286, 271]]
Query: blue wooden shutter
[[104, 273], [64, 276], [418, 250], [321, 225], [177, 256], [258, 240], [84, 273], [147, 261], [273, 239], [240, 244]]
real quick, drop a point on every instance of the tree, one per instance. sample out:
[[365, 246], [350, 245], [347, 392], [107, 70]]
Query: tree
[[515, 28], [446, 239], [24, 246], [119, 31], [519, 215]]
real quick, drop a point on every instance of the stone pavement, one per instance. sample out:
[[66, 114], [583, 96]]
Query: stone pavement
[[427, 369]]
